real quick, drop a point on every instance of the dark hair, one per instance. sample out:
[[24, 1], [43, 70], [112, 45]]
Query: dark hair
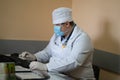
[[72, 23]]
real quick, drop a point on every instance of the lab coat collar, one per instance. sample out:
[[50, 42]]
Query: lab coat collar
[[77, 31]]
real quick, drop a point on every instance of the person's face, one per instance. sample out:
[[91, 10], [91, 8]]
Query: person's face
[[64, 27]]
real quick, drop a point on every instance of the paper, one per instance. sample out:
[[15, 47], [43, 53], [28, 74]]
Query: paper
[[29, 76], [21, 69]]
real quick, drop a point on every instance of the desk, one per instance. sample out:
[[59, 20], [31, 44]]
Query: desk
[[24, 74], [52, 76]]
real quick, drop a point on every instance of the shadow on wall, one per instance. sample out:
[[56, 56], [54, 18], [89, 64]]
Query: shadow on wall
[[106, 41]]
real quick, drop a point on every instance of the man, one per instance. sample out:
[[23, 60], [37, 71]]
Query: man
[[69, 51]]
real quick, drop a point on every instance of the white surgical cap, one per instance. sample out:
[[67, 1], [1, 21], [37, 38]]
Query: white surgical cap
[[61, 15]]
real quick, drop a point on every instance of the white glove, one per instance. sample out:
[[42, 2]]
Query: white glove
[[27, 56], [34, 65]]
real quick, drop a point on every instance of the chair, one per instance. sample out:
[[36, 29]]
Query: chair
[[96, 70]]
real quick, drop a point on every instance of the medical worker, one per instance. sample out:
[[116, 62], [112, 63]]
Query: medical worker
[[69, 51]]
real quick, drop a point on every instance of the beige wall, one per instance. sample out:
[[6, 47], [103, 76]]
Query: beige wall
[[28, 19], [101, 20]]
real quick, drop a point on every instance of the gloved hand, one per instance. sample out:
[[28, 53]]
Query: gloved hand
[[27, 56], [34, 65]]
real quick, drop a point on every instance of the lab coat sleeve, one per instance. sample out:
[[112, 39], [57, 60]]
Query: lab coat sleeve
[[81, 48], [44, 55]]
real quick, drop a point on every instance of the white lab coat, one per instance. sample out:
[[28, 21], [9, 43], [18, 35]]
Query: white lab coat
[[74, 59]]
